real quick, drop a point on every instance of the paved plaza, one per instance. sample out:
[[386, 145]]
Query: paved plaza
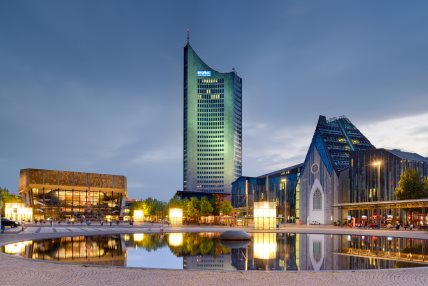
[[21, 271]]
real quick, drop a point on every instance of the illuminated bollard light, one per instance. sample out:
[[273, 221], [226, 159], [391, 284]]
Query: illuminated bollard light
[[138, 216], [264, 215], [176, 216]]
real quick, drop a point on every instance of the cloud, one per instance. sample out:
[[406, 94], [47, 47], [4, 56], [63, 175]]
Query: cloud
[[135, 185], [159, 155], [268, 148], [408, 133]]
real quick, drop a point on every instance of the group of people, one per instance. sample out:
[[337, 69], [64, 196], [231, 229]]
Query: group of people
[[82, 221]]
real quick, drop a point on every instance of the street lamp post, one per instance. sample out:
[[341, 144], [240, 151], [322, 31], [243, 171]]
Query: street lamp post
[[284, 182], [378, 164]]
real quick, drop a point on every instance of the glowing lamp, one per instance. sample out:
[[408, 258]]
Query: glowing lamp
[[176, 216], [264, 245], [264, 215], [175, 239], [138, 215]]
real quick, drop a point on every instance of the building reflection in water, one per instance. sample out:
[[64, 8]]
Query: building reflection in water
[[204, 251], [103, 250]]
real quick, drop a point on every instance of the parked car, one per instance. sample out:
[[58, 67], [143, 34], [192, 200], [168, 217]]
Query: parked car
[[8, 222], [315, 222]]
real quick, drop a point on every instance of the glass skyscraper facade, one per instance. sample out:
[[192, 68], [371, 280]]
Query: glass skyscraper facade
[[212, 127]]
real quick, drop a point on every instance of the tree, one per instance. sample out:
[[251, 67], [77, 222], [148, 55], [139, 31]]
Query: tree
[[226, 207], [151, 207], [175, 202], [216, 202], [206, 207], [137, 205], [411, 186], [185, 205], [193, 210]]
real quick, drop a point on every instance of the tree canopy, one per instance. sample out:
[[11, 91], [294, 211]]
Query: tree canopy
[[206, 207], [411, 186], [150, 207], [226, 208]]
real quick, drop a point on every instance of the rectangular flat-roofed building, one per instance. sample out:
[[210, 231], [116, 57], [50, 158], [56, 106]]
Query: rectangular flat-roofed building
[[64, 194]]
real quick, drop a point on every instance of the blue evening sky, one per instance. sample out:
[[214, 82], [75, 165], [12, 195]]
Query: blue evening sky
[[96, 86]]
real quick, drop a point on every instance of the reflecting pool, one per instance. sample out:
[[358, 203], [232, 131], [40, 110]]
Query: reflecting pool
[[205, 251]]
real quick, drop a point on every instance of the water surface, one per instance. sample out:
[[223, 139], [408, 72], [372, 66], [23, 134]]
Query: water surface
[[205, 251]]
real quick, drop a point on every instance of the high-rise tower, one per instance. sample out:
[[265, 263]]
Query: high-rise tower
[[212, 130]]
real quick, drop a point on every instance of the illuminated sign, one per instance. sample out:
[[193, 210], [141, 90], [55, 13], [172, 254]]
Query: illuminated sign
[[204, 73]]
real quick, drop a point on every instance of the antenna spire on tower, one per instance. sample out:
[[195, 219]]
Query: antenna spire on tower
[[188, 35]]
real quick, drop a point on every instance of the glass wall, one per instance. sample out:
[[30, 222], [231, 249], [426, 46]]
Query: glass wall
[[62, 204], [374, 175]]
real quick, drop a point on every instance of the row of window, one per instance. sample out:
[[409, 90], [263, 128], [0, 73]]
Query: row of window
[[211, 145], [210, 118], [210, 110], [211, 132], [210, 104], [210, 155], [211, 115], [211, 80], [210, 168], [211, 136], [210, 141], [210, 173], [220, 123], [209, 91], [210, 163]]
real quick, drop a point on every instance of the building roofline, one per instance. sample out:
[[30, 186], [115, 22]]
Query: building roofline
[[300, 165], [65, 171]]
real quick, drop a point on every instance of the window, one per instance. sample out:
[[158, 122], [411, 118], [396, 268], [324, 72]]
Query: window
[[317, 200]]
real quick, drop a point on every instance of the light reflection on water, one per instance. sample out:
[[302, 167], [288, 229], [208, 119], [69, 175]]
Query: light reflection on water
[[204, 251]]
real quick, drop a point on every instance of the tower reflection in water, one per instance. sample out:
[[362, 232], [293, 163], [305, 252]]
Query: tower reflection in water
[[204, 251]]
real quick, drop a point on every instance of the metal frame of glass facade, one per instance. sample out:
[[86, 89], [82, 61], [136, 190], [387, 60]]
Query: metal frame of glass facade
[[62, 194], [328, 156], [373, 176], [281, 186]]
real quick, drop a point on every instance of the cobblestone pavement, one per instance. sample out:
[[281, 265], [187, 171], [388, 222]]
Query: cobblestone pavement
[[21, 271]]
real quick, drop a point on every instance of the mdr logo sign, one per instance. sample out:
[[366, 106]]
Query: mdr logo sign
[[204, 73]]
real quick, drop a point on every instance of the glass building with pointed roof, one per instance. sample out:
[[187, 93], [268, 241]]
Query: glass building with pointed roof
[[323, 173], [212, 127]]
